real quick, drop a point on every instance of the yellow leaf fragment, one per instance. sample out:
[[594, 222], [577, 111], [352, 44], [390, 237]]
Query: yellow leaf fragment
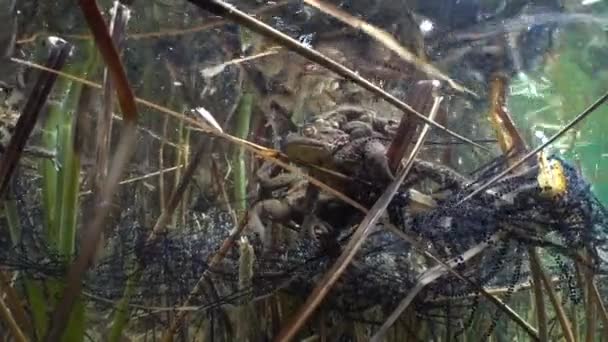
[[551, 177]]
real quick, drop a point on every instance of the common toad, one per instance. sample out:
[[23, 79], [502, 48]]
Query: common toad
[[289, 200], [323, 144]]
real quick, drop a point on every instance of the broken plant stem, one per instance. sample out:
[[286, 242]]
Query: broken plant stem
[[388, 41], [13, 302], [422, 94], [8, 319], [104, 121]]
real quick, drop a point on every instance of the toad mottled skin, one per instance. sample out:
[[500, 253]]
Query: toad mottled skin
[[316, 143], [296, 203], [323, 144]]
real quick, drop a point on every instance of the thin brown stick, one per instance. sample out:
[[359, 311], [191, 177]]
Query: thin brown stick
[[161, 162], [167, 32], [201, 126], [110, 54], [506, 132], [541, 311], [181, 158], [140, 178], [222, 189], [176, 195], [557, 305], [215, 260], [13, 302], [226, 10], [388, 41], [496, 291], [6, 316], [574, 318], [590, 309], [104, 121], [603, 311]]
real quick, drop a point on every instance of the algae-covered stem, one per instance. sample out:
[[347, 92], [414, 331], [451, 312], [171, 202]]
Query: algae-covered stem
[[26, 122], [126, 100], [240, 170]]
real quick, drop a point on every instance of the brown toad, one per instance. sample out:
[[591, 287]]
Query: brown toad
[[359, 152], [321, 144]]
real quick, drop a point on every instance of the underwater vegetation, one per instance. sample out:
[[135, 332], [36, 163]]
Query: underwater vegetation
[[385, 170]]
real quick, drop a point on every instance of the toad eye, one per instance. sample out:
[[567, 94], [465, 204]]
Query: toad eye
[[309, 131]]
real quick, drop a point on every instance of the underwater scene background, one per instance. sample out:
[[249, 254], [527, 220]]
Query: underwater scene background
[[338, 170]]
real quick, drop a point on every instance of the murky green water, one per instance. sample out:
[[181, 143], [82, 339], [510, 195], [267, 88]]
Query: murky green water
[[574, 78], [200, 66]]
